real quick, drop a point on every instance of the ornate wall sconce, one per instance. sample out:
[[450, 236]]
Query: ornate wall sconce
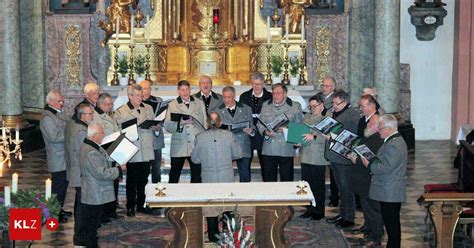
[[426, 16]]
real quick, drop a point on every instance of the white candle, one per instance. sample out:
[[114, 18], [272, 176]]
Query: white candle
[[175, 35], [132, 24], [160, 186], [147, 30], [17, 134], [236, 13], [268, 30], [117, 29], [194, 36], [7, 196], [287, 26], [245, 32], [48, 189], [1, 169], [302, 29], [14, 183], [4, 131]]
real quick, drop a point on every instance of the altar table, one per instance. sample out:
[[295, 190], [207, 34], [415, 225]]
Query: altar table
[[269, 203]]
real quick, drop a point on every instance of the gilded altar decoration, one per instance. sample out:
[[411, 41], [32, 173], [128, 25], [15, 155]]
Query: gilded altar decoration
[[118, 9], [295, 8], [206, 8], [73, 55], [322, 45]]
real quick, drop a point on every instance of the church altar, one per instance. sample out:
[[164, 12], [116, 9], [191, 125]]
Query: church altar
[[268, 203]]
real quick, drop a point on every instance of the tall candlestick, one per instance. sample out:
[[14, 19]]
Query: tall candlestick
[[48, 189], [236, 13], [287, 27], [17, 134], [117, 29], [14, 182], [131, 29], [7, 196], [268, 30], [178, 11], [302, 29]]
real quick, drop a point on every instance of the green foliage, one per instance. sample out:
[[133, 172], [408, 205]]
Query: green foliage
[[294, 66], [139, 65], [27, 199], [123, 66], [277, 65]]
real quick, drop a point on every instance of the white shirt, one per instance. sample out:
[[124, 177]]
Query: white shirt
[[261, 94]]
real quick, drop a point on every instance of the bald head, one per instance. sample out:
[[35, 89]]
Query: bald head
[[146, 87]]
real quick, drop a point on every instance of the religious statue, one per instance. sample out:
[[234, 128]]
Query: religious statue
[[295, 8], [117, 9]]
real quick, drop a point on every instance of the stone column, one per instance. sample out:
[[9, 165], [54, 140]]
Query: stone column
[[10, 46], [387, 53], [361, 47]]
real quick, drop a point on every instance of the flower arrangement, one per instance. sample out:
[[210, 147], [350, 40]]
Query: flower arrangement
[[294, 66], [31, 198], [123, 66], [139, 65], [234, 234], [277, 64]]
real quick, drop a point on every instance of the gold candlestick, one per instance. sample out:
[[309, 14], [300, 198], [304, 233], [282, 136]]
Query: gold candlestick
[[286, 77], [269, 81], [147, 66], [115, 80], [302, 63], [7, 141], [130, 73], [275, 17]]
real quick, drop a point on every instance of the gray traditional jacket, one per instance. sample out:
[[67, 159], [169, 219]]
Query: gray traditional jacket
[[277, 145], [214, 150], [243, 113], [145, 141], [216, 101], [52, 126], [106, 120], [350, 121], [183, 136], [97, 175], [313, 153], [389, 171], [76, 132]]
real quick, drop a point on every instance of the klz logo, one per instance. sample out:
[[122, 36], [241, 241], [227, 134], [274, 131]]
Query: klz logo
[[25, 224]]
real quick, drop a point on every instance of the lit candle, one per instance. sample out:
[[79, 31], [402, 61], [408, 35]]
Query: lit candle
[[14, 183], [160, 186], [268, 30], [48, 189], [117, 29], [147, 30], [287, 26], [7, 196], [302, 29], [17, 134], [132, 24]]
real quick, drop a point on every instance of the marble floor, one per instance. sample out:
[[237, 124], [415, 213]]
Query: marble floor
[[430, 163]]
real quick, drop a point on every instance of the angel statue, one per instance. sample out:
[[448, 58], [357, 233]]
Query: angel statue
[[295, 8], [117, 9]]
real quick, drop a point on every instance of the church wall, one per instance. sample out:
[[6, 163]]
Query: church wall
[[430, 74], [32, 37]]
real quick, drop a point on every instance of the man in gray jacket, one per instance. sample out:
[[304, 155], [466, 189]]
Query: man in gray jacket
[[232, 115], [210, 99], [389, 177], [349, 118], [191, 115], [76, 132], [53, 125], [278, 155], [138, 168], [97, 176]]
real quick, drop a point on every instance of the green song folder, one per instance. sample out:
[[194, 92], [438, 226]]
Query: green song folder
[[296, 132]]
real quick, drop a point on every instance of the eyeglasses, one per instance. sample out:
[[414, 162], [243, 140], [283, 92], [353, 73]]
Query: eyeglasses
[[314, 106], [87, 113], [325, 85], [337, 104]]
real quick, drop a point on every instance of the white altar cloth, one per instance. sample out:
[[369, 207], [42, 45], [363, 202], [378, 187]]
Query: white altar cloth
[[229, 194], [171, 94]]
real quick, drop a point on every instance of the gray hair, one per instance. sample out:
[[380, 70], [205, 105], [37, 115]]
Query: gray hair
[[204, 78], [341, 94], [52, 94], [389, 121], [257, 76], [81, 109], [280, 85], [228, 89], [93, 129], [90, 87], [133, 88], [104, 96], [332, 79]]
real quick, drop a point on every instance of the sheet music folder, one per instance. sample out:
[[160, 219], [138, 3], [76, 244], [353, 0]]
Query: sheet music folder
[[122, 150]]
